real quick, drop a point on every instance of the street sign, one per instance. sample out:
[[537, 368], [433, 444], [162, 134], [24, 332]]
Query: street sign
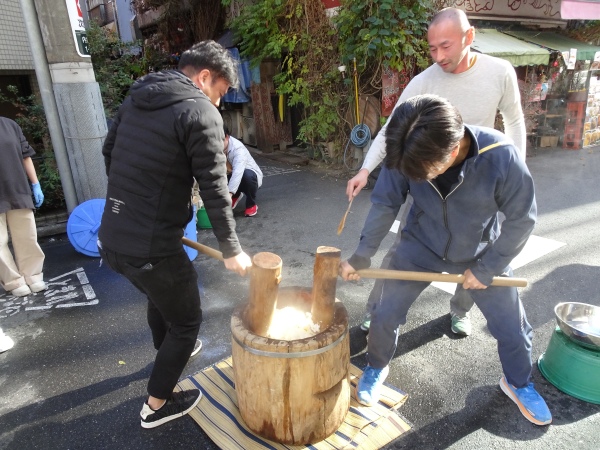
[[78, 28]]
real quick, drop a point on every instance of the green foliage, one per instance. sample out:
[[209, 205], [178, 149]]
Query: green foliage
[[323, 121], [260, 30], [117, 65], [298, 34], [388, 32], [378, 33], [32, 121], [47, 172]]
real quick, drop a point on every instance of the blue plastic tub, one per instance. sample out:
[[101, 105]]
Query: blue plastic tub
[[83, 225]]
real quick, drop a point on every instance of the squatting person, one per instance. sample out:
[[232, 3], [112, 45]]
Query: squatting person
[[245, 178]]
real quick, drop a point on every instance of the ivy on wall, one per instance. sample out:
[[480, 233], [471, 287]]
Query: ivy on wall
[[310, 47], [116, 64], [385, 33], [298, 35]]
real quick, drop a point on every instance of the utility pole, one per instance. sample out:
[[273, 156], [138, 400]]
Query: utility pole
[[76, 105]]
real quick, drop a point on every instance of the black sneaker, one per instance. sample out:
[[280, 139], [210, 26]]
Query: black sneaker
[[178, 405]]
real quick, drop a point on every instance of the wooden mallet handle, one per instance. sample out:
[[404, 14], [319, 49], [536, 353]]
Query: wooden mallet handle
[[388, 274], [209, 251]]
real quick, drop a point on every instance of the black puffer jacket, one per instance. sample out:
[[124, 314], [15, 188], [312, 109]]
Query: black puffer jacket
[[166, 132]]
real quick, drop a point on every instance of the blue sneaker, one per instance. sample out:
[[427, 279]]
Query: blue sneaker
[[368, 388], [530, 403]]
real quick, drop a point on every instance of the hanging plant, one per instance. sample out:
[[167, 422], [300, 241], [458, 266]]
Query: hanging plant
[[299, 35]]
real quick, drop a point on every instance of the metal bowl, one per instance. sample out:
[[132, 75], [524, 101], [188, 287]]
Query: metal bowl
[[580, 322]]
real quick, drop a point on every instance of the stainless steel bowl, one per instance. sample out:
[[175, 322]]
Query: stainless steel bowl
[[580, 322]]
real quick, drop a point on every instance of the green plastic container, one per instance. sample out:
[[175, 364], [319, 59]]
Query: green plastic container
[[572, 368], [203, 221]]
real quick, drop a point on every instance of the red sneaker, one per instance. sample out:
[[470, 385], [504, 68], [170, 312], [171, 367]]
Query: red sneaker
[[251, 211], [236, 200]]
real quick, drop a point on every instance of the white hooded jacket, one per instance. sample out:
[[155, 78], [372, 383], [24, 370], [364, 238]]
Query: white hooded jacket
[[240, 159]]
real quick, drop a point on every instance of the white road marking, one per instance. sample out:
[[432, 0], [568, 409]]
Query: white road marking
[[83, 279], [63, 291], [66, 274], [88, 291], [35, 308], [269, 171], [535, 248], [70, 305]]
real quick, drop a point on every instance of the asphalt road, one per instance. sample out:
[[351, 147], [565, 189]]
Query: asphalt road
[[76, 377]]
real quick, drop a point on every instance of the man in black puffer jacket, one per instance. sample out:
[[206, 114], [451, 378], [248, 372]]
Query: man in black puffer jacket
[[168, 132]]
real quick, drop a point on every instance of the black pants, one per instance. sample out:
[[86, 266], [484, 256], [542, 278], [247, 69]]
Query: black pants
[[249, 186], [174, 314]]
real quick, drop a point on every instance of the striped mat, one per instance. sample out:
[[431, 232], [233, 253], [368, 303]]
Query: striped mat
[[365, 428]]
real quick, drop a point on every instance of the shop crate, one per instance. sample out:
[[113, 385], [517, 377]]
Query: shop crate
[[573, 132]]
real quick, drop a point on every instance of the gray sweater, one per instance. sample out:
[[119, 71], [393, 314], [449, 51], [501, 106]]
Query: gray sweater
[[488, 86]]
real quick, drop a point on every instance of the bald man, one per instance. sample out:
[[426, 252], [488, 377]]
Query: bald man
[[478, 86]]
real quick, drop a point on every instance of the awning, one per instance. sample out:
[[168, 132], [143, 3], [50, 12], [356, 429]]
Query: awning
[[557, 42], [515, 51], [580, 9]]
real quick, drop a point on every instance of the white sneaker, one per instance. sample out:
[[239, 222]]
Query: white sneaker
[[38, 286], [197, 347], [6, 343], [236, 200], [461, 325], [21, 291]]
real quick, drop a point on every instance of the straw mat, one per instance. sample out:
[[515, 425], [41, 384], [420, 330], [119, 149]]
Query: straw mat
[[365, 428]]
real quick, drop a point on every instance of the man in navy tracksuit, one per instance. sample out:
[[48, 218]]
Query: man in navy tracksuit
[[460, 177]]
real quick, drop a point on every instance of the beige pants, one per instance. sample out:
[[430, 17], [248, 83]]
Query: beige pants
[[27, 265]]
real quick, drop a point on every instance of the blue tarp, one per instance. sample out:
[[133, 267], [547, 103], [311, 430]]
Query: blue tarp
[[242, 93]]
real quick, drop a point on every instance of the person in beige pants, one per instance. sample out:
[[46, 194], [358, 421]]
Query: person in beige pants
[[23, 274]]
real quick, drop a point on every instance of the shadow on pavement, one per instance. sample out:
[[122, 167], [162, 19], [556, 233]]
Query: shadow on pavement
[[407, 341], [23, 427], [571, 283], [496, 415]]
